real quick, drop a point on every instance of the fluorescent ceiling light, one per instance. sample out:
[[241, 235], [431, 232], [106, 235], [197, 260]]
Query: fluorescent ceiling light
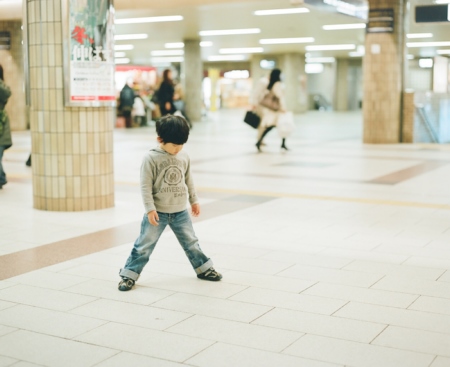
[[443, 52], [123, 37], [123, 47], [281, 11], [330, 47], [159, 60], [119, 54], [313, 68], [237, 74], [410, 57], [174, 45], [419, 35], [225, 32], [244, 50], [206, 44], [442, 1], [226, 58], [171, 18], [355, 54], [427, 44], [167, 53], [122, 61], [333, 27], [426, 63], [279, 41], [320, 59]]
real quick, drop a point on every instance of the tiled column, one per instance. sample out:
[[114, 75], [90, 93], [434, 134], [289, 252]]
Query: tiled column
[[292, 66], [12, 62], [383, 78], [192, 71], [72, 147], [408, 116], [341, 86]]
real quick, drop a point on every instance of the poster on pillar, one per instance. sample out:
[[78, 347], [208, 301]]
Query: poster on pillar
[[88, 53]]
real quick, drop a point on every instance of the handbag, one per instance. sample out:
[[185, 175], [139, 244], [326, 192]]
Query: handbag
[[285, 124], [252, 119], [270, 101]]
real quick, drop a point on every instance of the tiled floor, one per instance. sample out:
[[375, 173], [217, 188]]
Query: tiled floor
[[333, 254]]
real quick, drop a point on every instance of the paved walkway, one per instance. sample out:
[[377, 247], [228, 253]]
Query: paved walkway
[[333, 254]]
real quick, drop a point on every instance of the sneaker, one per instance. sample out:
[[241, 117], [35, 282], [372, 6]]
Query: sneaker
[[211, 275], [126, 284]]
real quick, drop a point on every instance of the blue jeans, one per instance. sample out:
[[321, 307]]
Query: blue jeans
[[181, 225], [2, 172]]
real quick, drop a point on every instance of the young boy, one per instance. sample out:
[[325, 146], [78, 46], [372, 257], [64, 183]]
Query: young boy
[[166, 186]]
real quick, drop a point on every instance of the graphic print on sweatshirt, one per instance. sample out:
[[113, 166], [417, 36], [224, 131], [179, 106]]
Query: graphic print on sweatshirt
[[173, 183]]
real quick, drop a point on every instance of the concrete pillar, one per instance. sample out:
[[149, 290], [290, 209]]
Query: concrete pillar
[[341, 88], [13, 68], [383, 67], [192, 74], [72, 148], [294, 78]]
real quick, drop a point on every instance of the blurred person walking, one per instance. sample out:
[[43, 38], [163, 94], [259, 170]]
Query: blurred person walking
[[5, 130], [126, 104], [165, 94], [272, 106]]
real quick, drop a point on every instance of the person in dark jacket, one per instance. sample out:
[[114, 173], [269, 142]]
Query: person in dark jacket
[[126, 104], [5, 130], [165, 94]]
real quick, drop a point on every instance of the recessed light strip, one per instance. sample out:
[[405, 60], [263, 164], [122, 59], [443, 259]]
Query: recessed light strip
[[170, 18], [123, 37], [419, 35], [174, 45], [334, 27], [279, 41], [226, 58], [159, 60], [320, 59], [244, 50], [167, 53], [428, 44], [123, 47], [330, 47], [225, 32], [122, 61], [443, 52], [281, 11]]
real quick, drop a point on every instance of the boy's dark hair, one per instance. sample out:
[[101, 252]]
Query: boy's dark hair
[[172, 129]]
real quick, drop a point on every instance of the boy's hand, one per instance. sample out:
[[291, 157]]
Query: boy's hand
[[195, 210], [153, 218]]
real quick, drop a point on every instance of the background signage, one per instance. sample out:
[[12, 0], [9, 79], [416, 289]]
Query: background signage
[[89, 53], [433, 13], [380, 21]]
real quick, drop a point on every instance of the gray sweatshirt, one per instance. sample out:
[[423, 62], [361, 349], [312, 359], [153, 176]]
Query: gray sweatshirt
[[166, 182]]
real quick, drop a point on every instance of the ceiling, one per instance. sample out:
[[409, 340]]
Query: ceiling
[[201, 15], [236, 14]]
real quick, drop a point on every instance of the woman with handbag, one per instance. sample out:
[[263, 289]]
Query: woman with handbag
[[166, 93], [5, 131], [273, 105]]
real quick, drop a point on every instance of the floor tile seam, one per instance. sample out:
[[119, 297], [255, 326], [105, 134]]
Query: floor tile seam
[[132, 224], [106, 359], [424, 313], [186, 361], [329, 198], [414, 329]]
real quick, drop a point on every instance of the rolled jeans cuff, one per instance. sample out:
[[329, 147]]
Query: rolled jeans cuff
[[204, 267], [129, 274]]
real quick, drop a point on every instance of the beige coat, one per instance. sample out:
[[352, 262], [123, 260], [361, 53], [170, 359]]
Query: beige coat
[[270, 117]]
